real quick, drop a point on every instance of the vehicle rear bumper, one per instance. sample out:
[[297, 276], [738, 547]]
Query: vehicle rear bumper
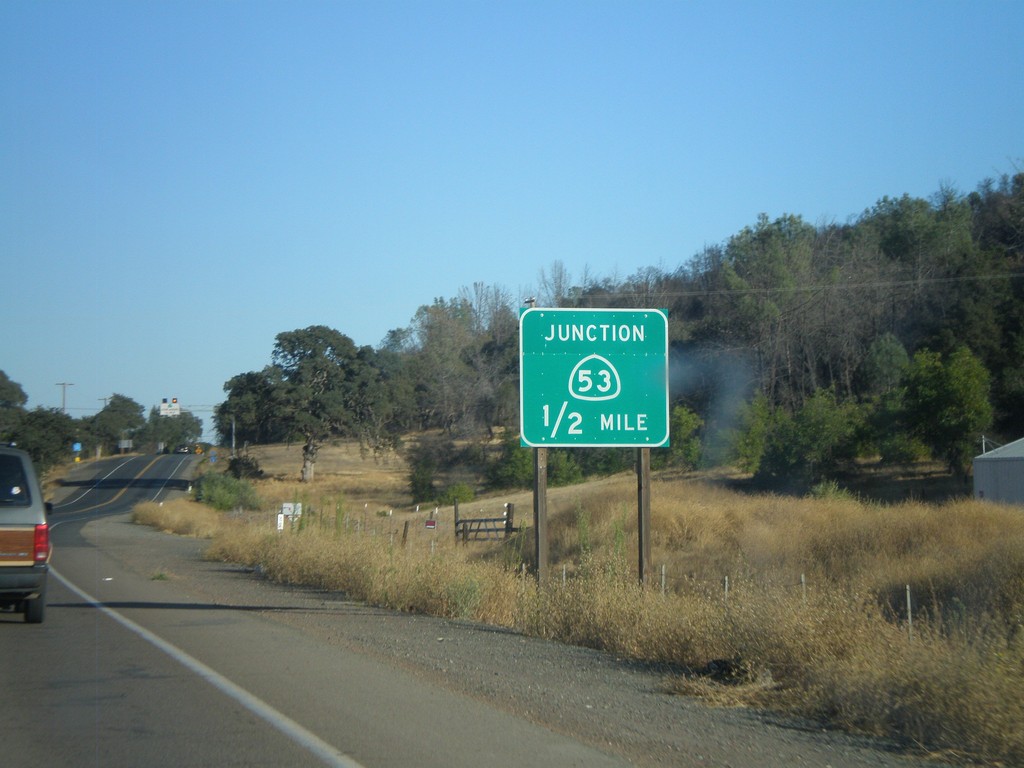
[[22, 582]]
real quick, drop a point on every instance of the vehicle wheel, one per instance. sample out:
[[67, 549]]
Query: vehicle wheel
[[35, 609]]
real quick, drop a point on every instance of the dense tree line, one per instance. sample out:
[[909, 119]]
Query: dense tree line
[[49, 435], [795, 349]]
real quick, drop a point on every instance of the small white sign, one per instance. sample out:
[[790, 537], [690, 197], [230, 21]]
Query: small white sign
[[289, 512]]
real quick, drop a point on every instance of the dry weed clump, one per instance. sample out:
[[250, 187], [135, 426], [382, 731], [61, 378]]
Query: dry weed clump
[[603, 608], [242, 544], [958, 695], [378, 570], [814, 621], [180, 516]]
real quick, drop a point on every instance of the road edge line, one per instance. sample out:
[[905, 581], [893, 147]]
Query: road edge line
[[297, 733]]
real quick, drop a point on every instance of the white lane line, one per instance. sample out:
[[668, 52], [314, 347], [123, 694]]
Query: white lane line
[[258, 707], [92, 487]]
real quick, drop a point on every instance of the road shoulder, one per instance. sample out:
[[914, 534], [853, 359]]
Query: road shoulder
[[610, 703]]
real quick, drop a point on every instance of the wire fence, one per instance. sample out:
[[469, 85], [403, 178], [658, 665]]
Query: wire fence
[[437, 530]]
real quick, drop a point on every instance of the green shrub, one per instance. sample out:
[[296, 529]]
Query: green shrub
[[513, 468], [606, 461], [829, 489], [426, 458], [805, 446], [685, 450], [563, 469], [243, 467], [225, 492], [900, 448], [752, 436], [460, 492], [462, 596]]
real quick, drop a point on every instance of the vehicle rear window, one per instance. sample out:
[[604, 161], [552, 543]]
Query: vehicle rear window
[[13, 483]]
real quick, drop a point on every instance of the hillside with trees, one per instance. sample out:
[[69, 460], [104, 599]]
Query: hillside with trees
[[795, 350]]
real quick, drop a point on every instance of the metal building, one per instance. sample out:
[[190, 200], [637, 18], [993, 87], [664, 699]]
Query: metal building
[[999, 474]]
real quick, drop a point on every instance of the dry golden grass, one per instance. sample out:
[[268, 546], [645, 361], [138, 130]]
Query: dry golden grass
[[814, 621], [181, 516], [341, 469]]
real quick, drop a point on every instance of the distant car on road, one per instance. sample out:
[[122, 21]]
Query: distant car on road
[[24, 537], [183, 449]]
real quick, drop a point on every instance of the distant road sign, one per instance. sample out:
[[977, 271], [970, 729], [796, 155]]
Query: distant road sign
[[172, 408], [593, 377]]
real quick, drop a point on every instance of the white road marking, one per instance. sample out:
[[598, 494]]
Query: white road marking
[[304, 738]]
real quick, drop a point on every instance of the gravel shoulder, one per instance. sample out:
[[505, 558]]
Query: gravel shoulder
[[594, 697]]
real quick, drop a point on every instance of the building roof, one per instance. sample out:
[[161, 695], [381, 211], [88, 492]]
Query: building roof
[[1014, 450]]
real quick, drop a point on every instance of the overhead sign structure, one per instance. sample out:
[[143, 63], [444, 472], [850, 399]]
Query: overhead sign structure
[[172, 408], [593, 377]]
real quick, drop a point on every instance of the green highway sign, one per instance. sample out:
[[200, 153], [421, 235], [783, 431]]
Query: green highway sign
[[593, 377]]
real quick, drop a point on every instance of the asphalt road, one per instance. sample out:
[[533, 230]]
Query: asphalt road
[[131, 670], [150, 656]]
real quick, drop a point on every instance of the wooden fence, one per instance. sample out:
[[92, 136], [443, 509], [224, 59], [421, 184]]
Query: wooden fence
[[485, 528]]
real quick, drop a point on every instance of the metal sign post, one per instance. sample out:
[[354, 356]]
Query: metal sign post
[[540, 513], [643, 519]]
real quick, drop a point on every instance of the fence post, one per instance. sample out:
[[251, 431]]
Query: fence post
[[456, 519], [510, 511]]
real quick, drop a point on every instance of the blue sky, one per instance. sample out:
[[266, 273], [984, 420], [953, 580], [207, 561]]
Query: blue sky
[[182, 181]]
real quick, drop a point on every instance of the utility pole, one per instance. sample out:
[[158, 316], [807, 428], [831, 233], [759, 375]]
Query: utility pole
[[64, 394]]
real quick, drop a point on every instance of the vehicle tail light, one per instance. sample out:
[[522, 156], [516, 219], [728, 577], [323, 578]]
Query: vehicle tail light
[[41, 544]]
